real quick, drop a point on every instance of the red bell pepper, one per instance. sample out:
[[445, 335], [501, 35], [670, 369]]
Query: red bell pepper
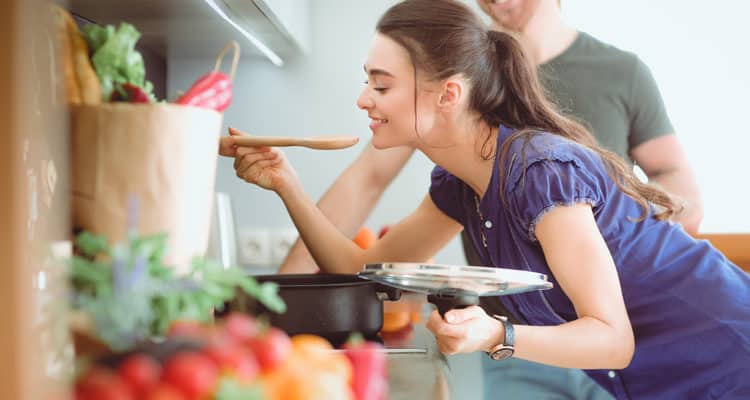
[[212, 90], [370, 374]]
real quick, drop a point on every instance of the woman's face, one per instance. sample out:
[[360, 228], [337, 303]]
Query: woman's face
[[389, 96]]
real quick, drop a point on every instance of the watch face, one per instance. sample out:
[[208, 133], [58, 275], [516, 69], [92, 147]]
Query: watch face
[[502, 353]]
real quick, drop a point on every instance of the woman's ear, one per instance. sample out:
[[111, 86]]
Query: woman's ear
[[451, 93]]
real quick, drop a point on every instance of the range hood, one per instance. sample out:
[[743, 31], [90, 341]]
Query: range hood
[[272, 29]]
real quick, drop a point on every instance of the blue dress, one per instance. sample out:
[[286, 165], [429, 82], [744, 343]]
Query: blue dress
[[688, 305]]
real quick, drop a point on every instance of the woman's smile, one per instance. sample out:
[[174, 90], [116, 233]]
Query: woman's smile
[[377, 122]]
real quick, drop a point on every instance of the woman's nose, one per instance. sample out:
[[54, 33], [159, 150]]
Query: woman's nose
[[364, 101]]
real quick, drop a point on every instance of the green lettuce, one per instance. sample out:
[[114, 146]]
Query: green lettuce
[[115, 59]]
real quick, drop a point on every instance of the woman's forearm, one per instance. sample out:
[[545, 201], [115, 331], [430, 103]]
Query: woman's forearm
[[351, 198], [586, 343], [330, 249]]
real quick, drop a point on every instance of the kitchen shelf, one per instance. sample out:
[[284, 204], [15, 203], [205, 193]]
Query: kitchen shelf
[[192, 28]]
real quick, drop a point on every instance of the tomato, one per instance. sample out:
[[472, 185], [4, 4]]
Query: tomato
[[164, 391], [192, 373], [240, 326], [235, 360], [140, 372], [99, 383], [271, 348]]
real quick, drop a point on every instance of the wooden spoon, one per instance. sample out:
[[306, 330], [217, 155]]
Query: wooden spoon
[[317, 142]]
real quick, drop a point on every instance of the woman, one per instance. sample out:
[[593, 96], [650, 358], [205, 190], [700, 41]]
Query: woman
[[648, 311]]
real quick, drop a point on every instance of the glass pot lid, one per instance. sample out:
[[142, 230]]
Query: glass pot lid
[[454, 280]]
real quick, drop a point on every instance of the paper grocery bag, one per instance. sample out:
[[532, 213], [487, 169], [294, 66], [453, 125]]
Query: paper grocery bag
[[163, 154]]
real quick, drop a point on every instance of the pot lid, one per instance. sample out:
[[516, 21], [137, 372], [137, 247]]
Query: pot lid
[[452, 279]]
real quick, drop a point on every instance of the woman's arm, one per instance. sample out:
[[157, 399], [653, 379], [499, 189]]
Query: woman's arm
[[580, 260], [415, 238], [351, 198], [601, 337]]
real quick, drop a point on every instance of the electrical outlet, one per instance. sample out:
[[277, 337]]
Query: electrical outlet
[[281, 240], [254, 246]]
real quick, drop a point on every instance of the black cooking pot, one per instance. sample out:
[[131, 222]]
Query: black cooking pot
[[328, 305]]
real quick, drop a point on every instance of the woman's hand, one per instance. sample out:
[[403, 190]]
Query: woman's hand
[[227, 145], [465, 330], [266, 167]]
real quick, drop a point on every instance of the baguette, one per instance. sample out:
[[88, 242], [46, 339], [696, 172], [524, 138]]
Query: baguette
[[88, 82], [87, 87], [72, 92]]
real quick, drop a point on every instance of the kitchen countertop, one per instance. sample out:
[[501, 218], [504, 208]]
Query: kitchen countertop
[[419, 374]]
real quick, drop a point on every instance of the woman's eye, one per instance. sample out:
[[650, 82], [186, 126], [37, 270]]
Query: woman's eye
[[379, 89]]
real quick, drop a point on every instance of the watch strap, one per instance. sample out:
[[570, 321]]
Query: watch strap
[[510, 332], [504, 350]]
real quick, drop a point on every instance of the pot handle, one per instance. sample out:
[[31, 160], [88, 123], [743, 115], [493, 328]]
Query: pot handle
[[447, 302], [385, 292]]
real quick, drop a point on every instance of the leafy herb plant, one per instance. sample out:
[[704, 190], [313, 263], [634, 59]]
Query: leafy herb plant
[[131, 295]]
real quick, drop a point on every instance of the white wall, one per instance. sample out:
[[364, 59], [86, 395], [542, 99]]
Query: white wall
[[700, 57]]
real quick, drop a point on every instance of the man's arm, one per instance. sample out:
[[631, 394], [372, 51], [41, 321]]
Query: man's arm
[[351, 198], [665, 163]]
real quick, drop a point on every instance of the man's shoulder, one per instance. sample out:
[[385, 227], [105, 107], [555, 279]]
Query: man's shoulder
[[590, 46]]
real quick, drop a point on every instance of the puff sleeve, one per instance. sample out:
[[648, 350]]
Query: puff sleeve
[[546, 184]]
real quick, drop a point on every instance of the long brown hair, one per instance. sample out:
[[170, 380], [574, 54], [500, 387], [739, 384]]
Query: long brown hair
[[445, 38]]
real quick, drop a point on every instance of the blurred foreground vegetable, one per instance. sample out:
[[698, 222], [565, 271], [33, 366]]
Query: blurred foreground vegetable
[[369, 381], [131, 296], [226, 361]]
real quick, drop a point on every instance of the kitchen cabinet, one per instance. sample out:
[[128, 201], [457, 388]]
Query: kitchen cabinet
[[36, 352], [272, 29], [735, 246]]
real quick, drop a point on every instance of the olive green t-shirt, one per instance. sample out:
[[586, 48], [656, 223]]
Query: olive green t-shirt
[[611, 91]]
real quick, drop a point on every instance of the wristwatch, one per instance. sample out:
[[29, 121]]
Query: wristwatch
[[504, 350]]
